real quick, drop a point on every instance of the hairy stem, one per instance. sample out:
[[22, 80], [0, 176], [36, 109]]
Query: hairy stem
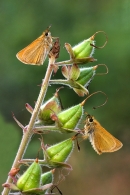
[[28, 134]]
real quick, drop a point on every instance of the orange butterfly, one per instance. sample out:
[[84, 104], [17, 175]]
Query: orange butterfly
[[101, 140], [36, 52]]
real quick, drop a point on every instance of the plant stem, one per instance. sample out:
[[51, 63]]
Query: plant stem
[[28, 134]]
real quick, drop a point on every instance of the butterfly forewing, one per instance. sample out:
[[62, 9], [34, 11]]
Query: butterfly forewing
[[36, 52], [35, 57], [103, 141], [117, 146]]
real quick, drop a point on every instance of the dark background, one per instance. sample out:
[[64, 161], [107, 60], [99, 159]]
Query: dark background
[[73, 21]]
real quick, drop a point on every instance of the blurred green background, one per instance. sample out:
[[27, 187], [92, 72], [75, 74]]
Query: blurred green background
[[73, 21]]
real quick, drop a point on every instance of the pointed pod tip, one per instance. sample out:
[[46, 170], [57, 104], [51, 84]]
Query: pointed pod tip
[[36, 160], [73, 138], [53, 170], [92, 37], [95, 67], [83, 102]]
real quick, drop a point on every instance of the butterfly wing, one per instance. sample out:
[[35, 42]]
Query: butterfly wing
[[35, 53], [102, 141], [117, 146]]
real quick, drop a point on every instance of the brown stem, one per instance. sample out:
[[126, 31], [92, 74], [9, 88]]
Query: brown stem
[[27, 136]]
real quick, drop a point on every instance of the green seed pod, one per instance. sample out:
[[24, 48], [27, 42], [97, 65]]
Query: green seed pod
[[84, 49], [31, 177], [69, 119], [77, 78], [47, 177], [84, 79], [61, 151], [86, 75], [52, 106]]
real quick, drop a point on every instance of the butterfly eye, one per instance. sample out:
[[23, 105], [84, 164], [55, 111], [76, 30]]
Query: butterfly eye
[[90, 120], [46, 33]]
